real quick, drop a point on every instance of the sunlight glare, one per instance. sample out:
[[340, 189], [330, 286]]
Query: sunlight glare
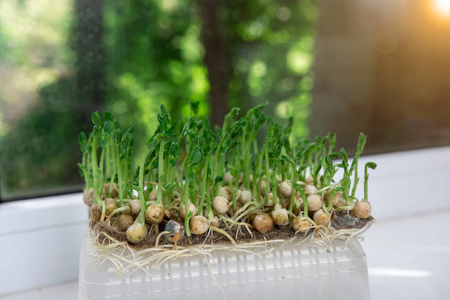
[[443, 6]]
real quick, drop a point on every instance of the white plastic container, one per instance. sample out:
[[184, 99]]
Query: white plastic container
[[287, 272]]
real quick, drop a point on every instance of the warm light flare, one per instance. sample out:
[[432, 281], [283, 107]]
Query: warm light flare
[[442, 6]]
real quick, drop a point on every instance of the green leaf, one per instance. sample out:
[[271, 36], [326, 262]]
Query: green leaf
[[332, 141], [130, 130], [96, 119], [218, 130], [297, 186], [232, 170], [83, 142], [108, 116], [334, 155], [194, 107], [195, 157], [107, 127], [288, 159], [165, 137], [185, 132], [287, 144], [259, 122], [317, 169], [328, 161], [371, 165], [82, 170], [82, 138], [301, 169], [226, 143], [218, 179], [361, 142], [234, 112], [190, 176], [165, 113], [160, 118], [343, 154], [339, 189], [168, 189], [288, 128]]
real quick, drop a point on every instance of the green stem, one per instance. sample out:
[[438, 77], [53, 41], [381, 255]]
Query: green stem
[[187, 212], [356, 179], [118, 210], [330, 200], [102, 162], [305, 201], [183, 166], [210, 212], [203, 186], [108, 164], [85, 171], [293, 198], [97, 199], [160, 172], [274, 187], [121, 179], [141, 187], [267, 188]]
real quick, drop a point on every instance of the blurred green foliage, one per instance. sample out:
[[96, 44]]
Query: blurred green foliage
[[147, 52]]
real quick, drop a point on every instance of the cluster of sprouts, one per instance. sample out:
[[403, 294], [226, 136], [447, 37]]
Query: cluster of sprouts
[[192, 179]]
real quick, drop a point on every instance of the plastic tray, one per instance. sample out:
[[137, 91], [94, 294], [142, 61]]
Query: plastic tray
[[287, 272]]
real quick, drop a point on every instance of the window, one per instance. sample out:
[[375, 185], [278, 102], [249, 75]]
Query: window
[[381, 67]]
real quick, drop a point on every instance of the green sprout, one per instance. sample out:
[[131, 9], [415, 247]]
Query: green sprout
[[187, 169]]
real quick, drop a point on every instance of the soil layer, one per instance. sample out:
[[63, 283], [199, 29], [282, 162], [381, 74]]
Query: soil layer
[[342, 220]]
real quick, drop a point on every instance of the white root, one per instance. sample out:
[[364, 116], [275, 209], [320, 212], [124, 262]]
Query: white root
[[159, 236], [213, 228], [128, 260]]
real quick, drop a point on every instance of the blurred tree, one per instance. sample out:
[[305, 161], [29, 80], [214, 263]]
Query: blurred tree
[[128, 57], [260, 51], [153, 57], [89, 51], [40, 152], [216, 57]]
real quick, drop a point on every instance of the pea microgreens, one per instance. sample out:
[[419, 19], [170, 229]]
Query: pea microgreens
[[192, 164]]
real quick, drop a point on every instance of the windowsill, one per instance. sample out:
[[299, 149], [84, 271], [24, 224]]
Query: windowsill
[[41, 238], [40, 241]]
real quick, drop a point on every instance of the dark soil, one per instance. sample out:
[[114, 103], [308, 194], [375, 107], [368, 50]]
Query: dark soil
[[342, 220]]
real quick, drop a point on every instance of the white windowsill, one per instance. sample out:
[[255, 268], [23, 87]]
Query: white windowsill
[[40, 239]]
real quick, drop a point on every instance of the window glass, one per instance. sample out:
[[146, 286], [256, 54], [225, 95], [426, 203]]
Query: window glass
[[381, 67]]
